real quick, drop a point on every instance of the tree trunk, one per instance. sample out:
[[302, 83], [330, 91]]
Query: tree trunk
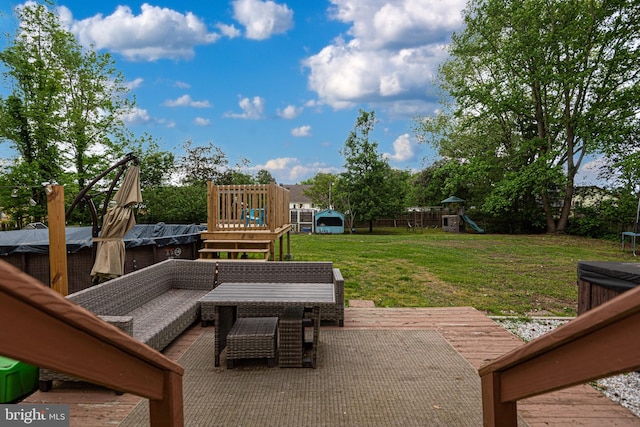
[[548, 213], [566, 207], [370, 226]]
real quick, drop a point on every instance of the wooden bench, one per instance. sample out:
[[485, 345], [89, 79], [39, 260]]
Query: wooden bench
[[252, 338]]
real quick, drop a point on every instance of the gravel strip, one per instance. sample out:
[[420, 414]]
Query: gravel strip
[[624, 389]]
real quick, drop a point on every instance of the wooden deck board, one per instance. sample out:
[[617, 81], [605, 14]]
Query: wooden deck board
[[476, 337]]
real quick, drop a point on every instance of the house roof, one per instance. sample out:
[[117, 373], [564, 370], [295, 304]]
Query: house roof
[[296, 193]]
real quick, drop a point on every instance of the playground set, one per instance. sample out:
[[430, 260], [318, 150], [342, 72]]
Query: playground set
[[457, 223]]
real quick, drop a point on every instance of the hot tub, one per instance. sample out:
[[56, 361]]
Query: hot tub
[[599, 281]]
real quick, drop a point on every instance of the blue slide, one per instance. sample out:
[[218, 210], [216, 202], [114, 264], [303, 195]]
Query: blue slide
[[472, 224]]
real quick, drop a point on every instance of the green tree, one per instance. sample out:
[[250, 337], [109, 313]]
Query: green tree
[[264, 177], [539, 85], [322, 189], [200, 164], [372, 188], [29, 116], [174, 205], [156, 166], [65, 103]]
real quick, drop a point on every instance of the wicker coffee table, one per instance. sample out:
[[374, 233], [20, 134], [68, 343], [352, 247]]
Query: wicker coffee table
[[221, 305]]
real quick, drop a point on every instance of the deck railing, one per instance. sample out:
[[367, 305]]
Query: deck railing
[[44, 329], [597, 344], [247, 207]]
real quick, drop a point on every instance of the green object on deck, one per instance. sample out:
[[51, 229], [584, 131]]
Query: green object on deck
[[16, 379]]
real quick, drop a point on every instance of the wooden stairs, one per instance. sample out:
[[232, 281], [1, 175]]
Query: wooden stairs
[[236, 249]]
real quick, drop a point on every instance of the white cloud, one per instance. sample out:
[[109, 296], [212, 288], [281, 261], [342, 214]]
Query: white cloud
[[404, 149], [589, 173], [182, 85], [186, 101], [289, 170], [140, 116], [201, 121], [392, 54], [153, 34], [166, 123], [229, 31], [135, 83], [290, 112], [252, 109], [262, 19], [301, 131], [136, 116]]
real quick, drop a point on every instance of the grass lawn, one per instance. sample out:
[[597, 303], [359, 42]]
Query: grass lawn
[[514, 275]]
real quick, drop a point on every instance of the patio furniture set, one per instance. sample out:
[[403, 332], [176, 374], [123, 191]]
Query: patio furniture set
[[158, 303], [295, 295]]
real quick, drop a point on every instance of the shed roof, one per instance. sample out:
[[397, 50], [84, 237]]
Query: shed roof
[[329, 212]]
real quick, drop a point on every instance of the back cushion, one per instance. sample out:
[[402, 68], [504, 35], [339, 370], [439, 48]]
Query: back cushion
[[119, 296], [275, 272], [191, 274]]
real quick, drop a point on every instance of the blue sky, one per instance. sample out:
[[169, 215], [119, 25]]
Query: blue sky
[[279, 83]]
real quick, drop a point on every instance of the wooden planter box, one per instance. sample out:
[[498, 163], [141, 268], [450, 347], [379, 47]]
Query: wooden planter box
[[599, 282]]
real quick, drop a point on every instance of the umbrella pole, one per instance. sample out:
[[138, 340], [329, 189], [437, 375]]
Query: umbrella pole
[[57, 240]]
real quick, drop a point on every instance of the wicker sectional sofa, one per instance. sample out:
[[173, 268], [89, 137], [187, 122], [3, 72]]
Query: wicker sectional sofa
[[283, 272], [154, 304]]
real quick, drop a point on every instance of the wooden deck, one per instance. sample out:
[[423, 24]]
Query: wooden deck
[[469, 331]]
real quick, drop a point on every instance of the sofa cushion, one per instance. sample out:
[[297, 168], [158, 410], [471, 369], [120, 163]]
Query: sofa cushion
[[275, 272], [119, 296], [164, 318]]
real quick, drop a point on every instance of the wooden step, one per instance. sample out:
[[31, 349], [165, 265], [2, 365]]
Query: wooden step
[[235, 250], [236, 241], [213, 248]]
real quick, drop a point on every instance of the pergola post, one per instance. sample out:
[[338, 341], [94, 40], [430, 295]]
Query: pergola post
[[58, 276]]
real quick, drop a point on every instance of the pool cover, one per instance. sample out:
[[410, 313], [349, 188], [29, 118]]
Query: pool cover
[[37, 240]]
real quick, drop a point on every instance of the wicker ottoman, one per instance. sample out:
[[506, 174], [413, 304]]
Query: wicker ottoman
[[252, 338]]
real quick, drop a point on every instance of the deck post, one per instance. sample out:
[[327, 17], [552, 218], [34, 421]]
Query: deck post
[[272, 208], [169, 411], [58, 276], [496, 413], [212, 206]]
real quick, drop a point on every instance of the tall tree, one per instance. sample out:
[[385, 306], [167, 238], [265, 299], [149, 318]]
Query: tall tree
[[322, 191], [373, 190], [203, 163], [29, 116], [539, 85], [156, 166], [264, 177], [63, 115]]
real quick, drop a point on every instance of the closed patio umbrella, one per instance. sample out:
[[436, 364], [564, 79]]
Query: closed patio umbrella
[[116, 223]]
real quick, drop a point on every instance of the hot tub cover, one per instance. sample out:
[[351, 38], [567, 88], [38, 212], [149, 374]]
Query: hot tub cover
[[619, 276], [37, 241]]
